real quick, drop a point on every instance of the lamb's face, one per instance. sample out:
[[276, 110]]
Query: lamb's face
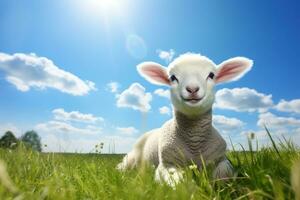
[[192, 77], [192, 84]]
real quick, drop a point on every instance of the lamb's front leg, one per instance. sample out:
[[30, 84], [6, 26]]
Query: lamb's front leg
[[170, 175], [172, 158], [223, 169]]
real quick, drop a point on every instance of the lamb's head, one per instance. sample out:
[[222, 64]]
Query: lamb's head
[[192, 77]]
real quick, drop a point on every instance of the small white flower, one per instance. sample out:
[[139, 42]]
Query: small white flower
[[193, 167]]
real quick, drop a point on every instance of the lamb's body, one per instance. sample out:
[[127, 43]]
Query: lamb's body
[[188, 138], [178, 143]]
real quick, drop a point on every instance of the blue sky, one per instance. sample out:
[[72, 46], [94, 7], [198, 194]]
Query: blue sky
[[73, 76]]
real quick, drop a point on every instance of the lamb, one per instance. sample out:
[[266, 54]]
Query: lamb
[[189, 137]]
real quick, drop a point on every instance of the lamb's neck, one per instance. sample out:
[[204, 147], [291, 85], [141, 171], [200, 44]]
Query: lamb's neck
[[193, 126]]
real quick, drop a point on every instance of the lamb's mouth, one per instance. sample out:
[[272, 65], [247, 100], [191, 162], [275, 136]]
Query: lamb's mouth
[[192, 100]]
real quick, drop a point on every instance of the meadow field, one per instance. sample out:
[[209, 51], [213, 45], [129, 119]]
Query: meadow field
[[264, 174]]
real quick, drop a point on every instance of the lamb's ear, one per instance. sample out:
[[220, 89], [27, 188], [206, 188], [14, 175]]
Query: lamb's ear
[[233, 69], [154, 73]]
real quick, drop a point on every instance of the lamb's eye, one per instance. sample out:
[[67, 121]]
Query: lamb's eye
[[211, 75], [173, 78]]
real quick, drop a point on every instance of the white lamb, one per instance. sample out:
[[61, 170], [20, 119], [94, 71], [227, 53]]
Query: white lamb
[[190, 136]]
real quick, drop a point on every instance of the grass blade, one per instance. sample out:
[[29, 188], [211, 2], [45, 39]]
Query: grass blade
[[273, 142]]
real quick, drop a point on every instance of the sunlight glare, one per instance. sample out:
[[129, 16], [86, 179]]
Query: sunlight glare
[[104, 7]]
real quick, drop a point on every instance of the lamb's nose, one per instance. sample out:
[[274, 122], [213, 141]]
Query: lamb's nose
[[192, 90]]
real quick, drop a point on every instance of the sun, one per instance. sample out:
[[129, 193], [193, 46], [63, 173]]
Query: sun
[[104, 8]]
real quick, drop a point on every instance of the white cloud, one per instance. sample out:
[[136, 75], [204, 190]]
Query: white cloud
[[295, 137], [289, 106], [258, 134], [279, 126], [135, 97], [57, 127], [162, 93], [57, 143], [243, 99], [227, 124], [20, 85], [261, 136], [64, 137], [28, 70], [61, 114], [113, 87], [230, 128], [127, 130], [122, 144], [165, 110], [273, 121], [91, 84], [167, 56]]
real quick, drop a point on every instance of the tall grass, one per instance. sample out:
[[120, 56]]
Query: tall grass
[[263, 174]]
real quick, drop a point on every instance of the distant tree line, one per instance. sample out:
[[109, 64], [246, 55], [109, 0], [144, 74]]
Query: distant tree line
[[29, 139]]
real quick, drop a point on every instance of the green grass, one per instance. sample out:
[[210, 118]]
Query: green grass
[[260, 175]]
